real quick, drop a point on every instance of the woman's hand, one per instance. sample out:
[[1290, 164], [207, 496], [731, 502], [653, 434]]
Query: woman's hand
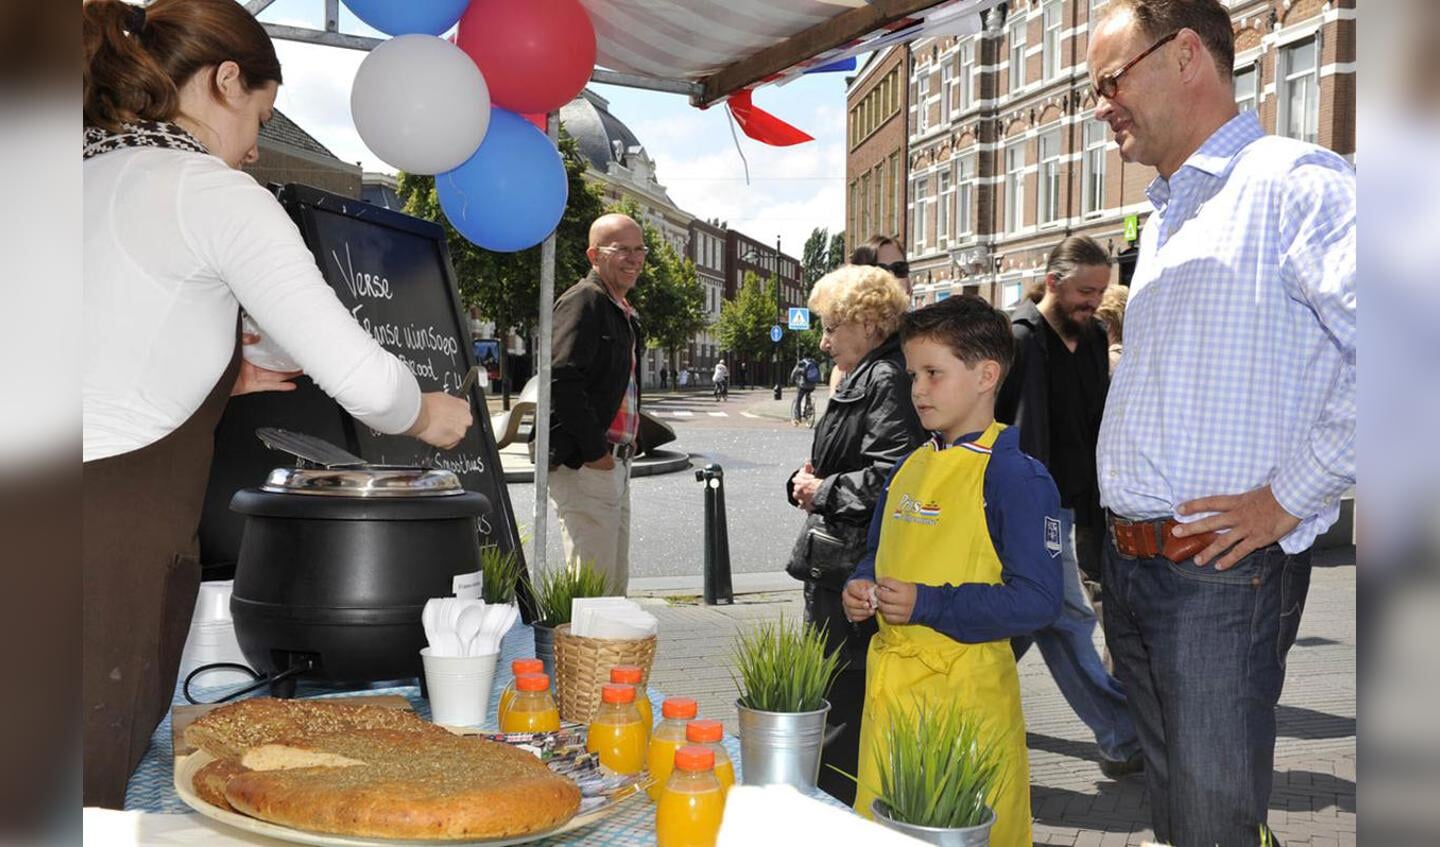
[[253, 379], [804, 485], [856, 598], [443, 420]]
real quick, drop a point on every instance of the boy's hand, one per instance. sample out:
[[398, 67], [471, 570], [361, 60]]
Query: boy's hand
[[896, 599], [857, 600]]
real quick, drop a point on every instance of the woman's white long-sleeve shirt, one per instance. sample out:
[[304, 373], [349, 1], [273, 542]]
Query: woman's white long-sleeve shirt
[[173, 241]]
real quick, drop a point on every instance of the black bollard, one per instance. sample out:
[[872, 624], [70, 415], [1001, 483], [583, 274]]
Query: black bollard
[[717, 538]]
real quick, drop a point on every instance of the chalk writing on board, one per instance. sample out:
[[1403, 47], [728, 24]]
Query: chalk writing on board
[[361, 284]]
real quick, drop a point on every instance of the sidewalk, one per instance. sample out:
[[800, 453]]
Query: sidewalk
[[1313, 800]]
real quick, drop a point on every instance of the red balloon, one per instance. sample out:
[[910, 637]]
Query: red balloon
[[537, 119], [536, 56]]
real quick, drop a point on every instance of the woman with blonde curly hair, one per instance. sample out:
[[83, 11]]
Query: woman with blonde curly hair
[[869, 425]]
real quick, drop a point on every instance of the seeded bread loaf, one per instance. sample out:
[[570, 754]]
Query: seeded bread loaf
[[227, 732], [410, 785], [210, 782]]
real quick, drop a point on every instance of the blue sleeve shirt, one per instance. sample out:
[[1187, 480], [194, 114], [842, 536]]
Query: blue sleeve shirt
[[1019, 496]]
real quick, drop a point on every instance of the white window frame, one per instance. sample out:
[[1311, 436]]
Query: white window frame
[[944, 219], [966, 82], [1092, 177], [1048, 211], [1251, 97], [1054, 24], [921, 185], [1011, 291], [1015, 186], [965, 197], [1285, 82], [1018, 37], [947, 89], [922, 93], [897, 207]]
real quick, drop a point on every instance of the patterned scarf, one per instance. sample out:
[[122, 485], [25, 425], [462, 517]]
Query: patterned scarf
[[162, 134]]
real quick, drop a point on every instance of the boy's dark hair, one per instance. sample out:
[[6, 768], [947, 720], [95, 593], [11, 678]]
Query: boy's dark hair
[[972, 329]]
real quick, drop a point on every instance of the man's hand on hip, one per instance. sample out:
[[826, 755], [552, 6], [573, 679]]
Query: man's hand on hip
[[604, 463], [1247, 522]]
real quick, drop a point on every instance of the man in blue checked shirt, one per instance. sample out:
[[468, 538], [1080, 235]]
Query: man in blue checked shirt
[[1229, 431]]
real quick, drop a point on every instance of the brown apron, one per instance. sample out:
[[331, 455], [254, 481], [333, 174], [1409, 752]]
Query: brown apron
[[141, 577]]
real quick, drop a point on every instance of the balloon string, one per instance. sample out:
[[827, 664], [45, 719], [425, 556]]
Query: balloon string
[[736, 138]]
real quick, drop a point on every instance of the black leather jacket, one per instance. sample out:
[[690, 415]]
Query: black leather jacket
[[594, 348]]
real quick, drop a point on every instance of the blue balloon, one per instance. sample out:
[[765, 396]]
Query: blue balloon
[[511, 193], [406, 17]]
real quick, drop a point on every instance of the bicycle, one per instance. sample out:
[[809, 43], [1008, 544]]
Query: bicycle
[[722, 390], [807, 411]]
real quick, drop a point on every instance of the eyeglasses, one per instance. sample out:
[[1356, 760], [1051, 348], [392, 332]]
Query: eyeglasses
[[1108, 85], [625, 252], [900, 269]]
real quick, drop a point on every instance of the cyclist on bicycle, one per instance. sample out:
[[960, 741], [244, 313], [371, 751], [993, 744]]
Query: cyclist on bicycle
[[805, 376], [721, 380]]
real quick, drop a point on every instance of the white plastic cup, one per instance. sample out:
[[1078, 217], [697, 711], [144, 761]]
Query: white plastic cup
[[459, 687]]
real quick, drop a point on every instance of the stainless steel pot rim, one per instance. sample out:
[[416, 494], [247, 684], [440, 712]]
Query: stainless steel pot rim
[[368, 481]]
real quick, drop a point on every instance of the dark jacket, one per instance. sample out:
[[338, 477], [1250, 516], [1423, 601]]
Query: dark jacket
[[868, 427], [1024, 397], [595, 346]]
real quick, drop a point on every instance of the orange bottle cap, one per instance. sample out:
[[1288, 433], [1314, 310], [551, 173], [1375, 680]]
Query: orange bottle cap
[[704, 732], [679, 708], [694, 759], [532, 682], [628, 674], [617, 694], [520, 666]]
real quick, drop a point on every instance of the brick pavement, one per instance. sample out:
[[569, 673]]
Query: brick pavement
[[1313, 801]]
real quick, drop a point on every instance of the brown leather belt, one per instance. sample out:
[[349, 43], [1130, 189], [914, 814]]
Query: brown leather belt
[[1149, 539]]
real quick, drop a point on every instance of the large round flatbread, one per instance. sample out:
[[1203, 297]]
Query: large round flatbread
[[409, 785], [227, 732]]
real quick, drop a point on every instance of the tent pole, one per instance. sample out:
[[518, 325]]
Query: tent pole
[[542, 372]]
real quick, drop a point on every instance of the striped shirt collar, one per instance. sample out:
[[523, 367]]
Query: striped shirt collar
[[1214, 158], [969, 441]]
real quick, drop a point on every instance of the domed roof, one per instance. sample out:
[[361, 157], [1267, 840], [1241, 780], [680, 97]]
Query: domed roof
[[604, 138]]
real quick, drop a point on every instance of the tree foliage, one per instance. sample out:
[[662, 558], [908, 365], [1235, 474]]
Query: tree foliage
[[836, 255], [744, 325]]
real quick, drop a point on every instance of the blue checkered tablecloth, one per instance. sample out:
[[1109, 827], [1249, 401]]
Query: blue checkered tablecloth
[[632, 824]]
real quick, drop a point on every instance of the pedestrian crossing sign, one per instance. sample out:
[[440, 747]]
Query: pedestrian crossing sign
[[799, 318]]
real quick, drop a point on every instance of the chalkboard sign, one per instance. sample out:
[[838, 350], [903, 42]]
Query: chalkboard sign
[[392, 272]]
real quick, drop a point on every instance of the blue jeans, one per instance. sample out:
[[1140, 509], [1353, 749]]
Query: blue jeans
[[1202, 655], [1068, 646]]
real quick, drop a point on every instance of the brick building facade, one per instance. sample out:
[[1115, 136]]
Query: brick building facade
[[876, 166], [1005, 157]]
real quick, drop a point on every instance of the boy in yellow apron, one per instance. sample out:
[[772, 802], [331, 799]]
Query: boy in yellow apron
[[964, 554]]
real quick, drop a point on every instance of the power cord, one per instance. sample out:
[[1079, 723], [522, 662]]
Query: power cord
[[261, 681]]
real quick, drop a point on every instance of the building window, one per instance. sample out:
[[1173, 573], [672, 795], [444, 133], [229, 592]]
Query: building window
[[1053, 23], [1300, 98], [1093, 177], [1014, 186], [877, 219], [922, 92], [1017, 56], [965, 198], [947, 90], [865, 206], [897, 196], [855, 210], [1050, 177], [967, 75], [921, 187], [1010, 294], [1245, 88], [942, 216]]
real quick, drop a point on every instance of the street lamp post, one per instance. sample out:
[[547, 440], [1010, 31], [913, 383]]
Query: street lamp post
[[779, 312]]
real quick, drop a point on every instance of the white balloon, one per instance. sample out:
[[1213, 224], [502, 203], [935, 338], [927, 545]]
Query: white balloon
[[420, 103]]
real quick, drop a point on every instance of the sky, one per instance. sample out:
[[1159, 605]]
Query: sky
[[792, 190]]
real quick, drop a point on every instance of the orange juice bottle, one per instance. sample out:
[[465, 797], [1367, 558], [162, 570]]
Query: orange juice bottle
[[689, 811], [635, 675], [517, 667], [711, 734], [616, 732], [533, 709], [668, 737]]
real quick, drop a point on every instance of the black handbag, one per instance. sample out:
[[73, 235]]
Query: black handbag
[[826, 553]]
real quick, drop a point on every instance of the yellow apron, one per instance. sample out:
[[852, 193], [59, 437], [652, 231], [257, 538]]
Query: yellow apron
[[935, 533]]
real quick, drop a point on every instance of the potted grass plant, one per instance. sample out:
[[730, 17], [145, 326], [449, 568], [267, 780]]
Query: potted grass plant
[[500, 574], [553, 593], [939, 771], [784, 678]]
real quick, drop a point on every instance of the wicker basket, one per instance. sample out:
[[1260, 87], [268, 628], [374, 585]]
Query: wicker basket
[[582, 666]]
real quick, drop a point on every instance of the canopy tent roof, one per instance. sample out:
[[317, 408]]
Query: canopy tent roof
[[709, 49]]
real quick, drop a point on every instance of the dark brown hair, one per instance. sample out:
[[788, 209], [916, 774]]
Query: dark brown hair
[[1070, 255], [135, 64], [973, 330], [869, 252], [1206, 18]]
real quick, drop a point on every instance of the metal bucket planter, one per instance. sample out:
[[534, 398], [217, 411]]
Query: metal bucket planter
[[545, 649], [782, 747], [970, 836]]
